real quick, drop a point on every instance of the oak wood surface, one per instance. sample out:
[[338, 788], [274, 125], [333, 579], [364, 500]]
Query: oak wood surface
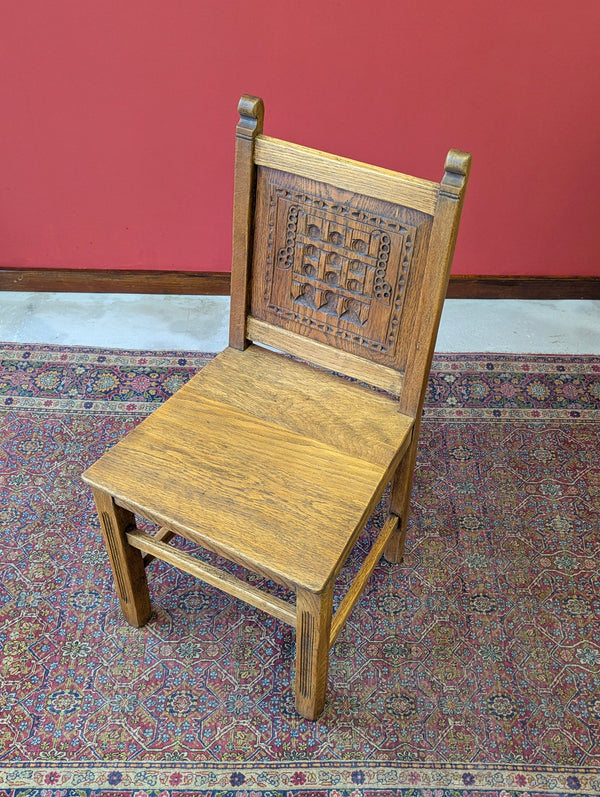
[[313, 632], [127, 564], [249, 127], [264, 459], [162, 535], [290, 507], [360, 580], [307, 401], [336, 267], [343, 362], [212, 575], [345, 173]]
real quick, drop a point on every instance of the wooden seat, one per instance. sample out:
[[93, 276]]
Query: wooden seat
[[273, 461]]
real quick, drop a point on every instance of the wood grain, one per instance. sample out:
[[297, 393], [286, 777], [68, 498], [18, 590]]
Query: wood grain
[[250, 125], [313, 626], [162, 535], [341, 362], [307, 401], [126, 562], [289, 507], [272, 462], [335, 267], [348, 174], [212, 575], [361, 578]]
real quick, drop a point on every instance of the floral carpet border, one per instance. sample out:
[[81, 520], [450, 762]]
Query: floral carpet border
[[298, 778]]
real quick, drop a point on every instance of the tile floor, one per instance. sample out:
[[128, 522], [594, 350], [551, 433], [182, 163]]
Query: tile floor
[[200, 323]]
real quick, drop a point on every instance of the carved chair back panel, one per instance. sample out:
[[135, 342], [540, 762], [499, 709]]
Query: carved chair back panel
[[334, 266]]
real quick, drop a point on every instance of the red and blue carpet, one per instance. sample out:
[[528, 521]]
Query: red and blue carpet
[[472, 668]]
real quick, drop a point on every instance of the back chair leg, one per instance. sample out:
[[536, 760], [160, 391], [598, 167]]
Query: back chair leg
[[313, 627], [400, 492], [127, 562]]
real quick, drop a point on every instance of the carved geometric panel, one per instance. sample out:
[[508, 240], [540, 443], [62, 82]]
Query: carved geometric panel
[[334, 270]]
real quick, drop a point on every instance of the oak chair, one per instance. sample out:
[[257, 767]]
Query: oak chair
[[276, 462]]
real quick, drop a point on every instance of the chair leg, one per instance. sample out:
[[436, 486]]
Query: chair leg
[[313, 627], [400, 492], [127, 562]]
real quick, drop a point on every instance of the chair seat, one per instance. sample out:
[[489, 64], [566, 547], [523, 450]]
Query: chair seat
[[268, 461]]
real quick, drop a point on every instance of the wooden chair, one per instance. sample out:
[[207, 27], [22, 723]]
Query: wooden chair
[[276, 462]]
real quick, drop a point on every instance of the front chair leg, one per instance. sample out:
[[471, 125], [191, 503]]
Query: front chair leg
[[313, 627], [126, 561]]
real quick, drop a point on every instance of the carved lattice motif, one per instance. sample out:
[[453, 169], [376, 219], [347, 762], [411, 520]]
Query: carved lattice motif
[[336, 268]]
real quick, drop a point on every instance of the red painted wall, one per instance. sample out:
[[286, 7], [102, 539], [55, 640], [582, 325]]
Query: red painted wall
[[117, 120]]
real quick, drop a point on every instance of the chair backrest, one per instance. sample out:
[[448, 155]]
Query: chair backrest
[[343, 264]]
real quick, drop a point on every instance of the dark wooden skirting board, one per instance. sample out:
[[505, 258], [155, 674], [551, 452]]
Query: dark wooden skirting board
[[69, 280], [217, 283], [486, 287]]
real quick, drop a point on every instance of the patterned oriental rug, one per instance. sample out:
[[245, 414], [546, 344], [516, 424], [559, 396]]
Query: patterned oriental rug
[[471, 669]]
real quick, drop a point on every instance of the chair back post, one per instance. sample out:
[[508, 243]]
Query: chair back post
[[434, 285], [250, 125]]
